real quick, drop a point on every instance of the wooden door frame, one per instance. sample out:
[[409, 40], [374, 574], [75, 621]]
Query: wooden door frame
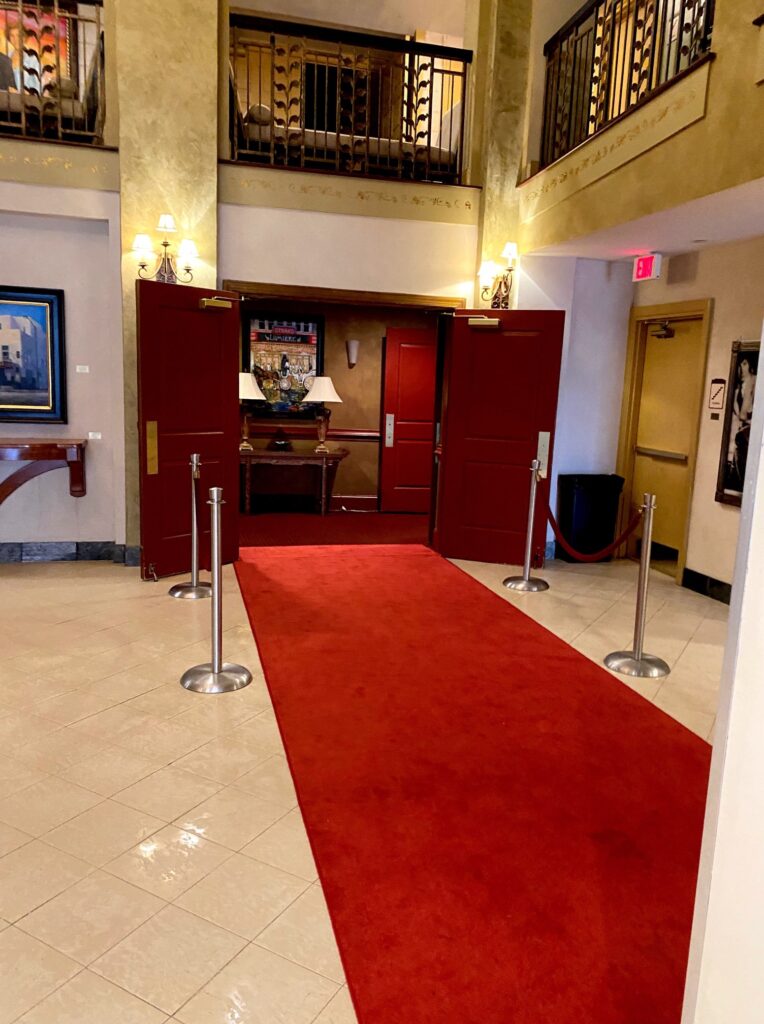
[[641, 317]]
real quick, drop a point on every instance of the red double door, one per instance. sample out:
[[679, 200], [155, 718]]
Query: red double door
[[500, 382], [468, 410]]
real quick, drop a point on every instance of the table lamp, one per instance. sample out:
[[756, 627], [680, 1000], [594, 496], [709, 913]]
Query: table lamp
[[249, 391], [322, 391]]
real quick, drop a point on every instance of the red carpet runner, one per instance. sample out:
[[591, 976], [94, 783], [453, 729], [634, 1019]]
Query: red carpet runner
[[505, 834]]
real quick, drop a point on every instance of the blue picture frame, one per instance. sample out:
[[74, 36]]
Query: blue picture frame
[[32, 355]]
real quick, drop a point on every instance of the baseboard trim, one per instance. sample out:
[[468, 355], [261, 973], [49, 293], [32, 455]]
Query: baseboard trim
[[68, 551], [354, 503], [707, 585]]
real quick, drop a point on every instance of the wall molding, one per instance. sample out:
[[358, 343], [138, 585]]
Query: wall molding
[[320, 192], [36, 162], [679, 105], [68, 551]]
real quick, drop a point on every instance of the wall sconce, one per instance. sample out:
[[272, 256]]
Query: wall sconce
[[167, 271], [352, 345], [496, 278]]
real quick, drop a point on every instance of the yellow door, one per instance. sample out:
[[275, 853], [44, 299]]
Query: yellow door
[[667, 424]]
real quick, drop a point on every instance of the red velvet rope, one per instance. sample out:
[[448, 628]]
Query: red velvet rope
[[597, 556]]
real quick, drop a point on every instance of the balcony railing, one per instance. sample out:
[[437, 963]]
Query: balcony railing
[[613, 55], [51, 70], [315, 98]]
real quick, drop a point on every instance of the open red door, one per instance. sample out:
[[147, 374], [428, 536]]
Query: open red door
[[408, 414], [188, 401], [501, 378]]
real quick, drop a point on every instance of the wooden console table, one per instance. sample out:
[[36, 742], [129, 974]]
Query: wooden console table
[[42, 455], [327, 462]]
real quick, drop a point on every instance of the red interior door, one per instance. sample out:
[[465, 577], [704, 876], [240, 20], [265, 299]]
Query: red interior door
[[188, 401], [408, 414], [499, 391]]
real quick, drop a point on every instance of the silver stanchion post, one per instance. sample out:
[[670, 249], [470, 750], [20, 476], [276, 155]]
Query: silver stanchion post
[[635, 662], [216, 676], [527, 583], [194, 590]]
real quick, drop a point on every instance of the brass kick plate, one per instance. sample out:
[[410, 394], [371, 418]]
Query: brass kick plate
[[215, 303], [152, 447]]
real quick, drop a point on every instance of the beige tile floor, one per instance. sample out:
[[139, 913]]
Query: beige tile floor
[[154, 865]]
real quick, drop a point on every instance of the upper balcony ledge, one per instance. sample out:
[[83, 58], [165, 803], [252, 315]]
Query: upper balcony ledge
[[288, 189], [68, 165], [667, 112]]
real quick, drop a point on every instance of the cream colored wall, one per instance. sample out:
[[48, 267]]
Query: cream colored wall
[[723, 149], [69, 239], [167, 75], [731, 275]]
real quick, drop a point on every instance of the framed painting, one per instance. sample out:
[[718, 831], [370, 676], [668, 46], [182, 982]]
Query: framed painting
[[32, 356], [284, 354], [741, 391]]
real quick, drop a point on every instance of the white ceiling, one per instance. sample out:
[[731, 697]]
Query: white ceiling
[[728, 216]]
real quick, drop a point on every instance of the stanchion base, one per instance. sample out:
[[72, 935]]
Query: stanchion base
[[188, 592], [201, 678], [531, 586], [649, 666]]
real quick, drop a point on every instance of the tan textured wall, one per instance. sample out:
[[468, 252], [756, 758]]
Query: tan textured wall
[[731, 275], [167, 73], [724, 149], [504, 64]]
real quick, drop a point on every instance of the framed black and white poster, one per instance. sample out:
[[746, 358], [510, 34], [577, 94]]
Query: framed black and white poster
[[32, 356], [741, 391]]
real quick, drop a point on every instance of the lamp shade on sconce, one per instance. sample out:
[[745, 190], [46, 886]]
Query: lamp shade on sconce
[[352, 345], [489, 270], [249, 390], [166, 224], [142, 246], [509, 252], [187, 252], [323, 390]]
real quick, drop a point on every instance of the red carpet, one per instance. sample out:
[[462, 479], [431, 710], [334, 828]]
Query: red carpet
[[281, 529], [505, 834]]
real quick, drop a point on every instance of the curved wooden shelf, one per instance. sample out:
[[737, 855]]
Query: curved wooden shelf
[[42, 455]]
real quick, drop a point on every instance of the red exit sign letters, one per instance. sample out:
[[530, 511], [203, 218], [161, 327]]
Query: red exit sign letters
[[647, 268]]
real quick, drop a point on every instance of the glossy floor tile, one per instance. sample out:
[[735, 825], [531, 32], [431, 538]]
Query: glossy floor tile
[[154, 864]]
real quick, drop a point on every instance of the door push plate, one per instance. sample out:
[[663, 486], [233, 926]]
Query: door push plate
[[542, 453], [152, 447], [389, 430]]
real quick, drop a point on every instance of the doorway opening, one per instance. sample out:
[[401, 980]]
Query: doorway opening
[[660, 422], [379, 351]]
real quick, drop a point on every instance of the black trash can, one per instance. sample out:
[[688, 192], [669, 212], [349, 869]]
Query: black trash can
[[587, 511]]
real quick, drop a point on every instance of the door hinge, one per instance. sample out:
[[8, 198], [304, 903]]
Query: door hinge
[[152, 571]]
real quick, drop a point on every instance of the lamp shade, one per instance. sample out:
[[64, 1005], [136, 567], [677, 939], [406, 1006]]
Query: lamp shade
[[488, 272], [142, 245], [509, 252], [187, 251], [322, 391], [249, 390], [166, 223]]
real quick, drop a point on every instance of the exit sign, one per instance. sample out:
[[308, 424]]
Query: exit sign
[[647, 268]]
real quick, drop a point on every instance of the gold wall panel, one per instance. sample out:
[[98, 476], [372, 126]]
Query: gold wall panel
[[167, 74]]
